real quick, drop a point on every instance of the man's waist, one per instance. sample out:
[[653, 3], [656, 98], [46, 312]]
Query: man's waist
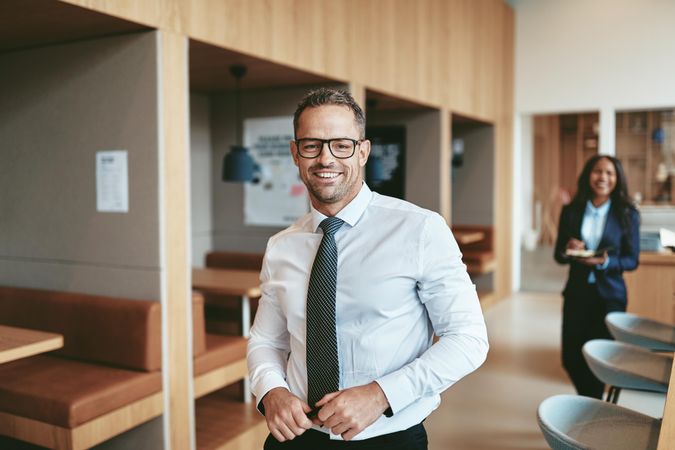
[[322, 435]]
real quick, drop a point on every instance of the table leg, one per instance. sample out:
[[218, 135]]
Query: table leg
[[246, 332]]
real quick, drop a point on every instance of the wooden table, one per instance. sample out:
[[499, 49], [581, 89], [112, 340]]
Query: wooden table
[[16, 343], [240, 283], [468, 237]]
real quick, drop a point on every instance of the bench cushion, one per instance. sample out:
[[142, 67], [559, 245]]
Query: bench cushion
[[115, 331], [220, 351], [66, 392], [234, 260]]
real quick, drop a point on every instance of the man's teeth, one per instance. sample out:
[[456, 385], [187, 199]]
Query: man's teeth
[[327, 175]]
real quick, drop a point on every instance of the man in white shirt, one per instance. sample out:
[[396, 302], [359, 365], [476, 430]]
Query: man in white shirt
[[399, 280]]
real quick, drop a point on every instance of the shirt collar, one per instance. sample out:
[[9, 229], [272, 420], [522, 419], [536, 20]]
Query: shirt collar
[[600, 210], [351, 213]]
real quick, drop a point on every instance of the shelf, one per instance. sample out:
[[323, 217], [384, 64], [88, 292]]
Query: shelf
[[223, 422]]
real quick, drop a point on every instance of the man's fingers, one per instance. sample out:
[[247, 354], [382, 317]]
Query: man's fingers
[[333, 421], [277, 434], [285, 431], [349, 435], [301, 420], [340, 428], [326, 398]]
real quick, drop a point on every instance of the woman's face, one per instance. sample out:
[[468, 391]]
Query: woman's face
[[603, 179]]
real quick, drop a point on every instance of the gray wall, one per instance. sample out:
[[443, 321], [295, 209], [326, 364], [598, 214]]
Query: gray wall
[[60, 105], [422, 176], [473, 184], [201, 196]]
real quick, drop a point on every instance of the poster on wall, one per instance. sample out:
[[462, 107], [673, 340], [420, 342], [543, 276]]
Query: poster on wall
[[112, 181], [279, 197]]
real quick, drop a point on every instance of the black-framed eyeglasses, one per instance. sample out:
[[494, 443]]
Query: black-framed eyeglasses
[[341, 148]]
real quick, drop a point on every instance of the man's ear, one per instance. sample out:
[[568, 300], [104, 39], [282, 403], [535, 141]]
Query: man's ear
[[364, 152], [294, 152]]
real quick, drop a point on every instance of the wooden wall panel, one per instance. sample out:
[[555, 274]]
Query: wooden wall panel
[[444, 52]]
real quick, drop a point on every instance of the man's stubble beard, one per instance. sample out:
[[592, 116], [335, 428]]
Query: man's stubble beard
[[337, 193]]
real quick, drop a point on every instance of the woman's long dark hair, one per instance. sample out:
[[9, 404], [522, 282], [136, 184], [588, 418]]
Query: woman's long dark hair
[[621, 202]]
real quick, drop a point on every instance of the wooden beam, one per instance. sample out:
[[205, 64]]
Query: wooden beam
[[175, 225]]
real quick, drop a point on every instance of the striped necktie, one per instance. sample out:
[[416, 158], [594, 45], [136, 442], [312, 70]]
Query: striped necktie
[[323, 367]]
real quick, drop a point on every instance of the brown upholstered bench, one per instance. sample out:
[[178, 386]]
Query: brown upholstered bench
[[223, 315], [478, 256], [105, 380], [218, 360]]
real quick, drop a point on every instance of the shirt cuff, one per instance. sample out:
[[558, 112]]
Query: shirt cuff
[[604, 265], [270, 381], [394, 386]]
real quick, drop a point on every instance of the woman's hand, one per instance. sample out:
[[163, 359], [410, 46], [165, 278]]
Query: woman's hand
[[593, 260], [575, 244]]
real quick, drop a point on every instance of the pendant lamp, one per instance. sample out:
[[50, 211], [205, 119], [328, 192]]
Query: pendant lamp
[[238, 165]]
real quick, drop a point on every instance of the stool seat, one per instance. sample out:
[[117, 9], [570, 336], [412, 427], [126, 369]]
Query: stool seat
[[640, 331], [627, 366], [571, 422]]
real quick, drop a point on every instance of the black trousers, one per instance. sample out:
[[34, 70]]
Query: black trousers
[[414, 438], [583, 320]]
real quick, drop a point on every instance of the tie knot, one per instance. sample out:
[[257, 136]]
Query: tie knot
[[330, 225]]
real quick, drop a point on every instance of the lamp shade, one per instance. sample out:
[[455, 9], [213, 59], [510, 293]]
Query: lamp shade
[[375, 170], [238, 165]]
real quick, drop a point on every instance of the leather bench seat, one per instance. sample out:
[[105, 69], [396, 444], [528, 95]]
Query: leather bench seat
[[68, 393], [220, 351], [477, 257]]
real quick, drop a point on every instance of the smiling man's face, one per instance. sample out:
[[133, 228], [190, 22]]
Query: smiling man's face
[[332, 183]]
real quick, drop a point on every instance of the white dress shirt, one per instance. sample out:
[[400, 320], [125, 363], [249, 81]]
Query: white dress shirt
[[400, 279]]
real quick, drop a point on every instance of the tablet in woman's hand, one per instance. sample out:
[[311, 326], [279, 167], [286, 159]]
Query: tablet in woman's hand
[[583, 253]]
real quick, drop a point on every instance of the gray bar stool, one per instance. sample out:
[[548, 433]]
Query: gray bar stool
[[571, 422], [636, 330], [625, 366]]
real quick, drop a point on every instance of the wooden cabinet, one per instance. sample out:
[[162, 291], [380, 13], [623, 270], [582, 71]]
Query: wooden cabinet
[[651, 288], [645, 144]]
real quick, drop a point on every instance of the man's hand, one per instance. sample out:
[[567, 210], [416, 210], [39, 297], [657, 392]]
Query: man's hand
[[350, 411], [286, 414]]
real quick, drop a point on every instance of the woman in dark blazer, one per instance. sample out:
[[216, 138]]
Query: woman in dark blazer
[[600, 217]]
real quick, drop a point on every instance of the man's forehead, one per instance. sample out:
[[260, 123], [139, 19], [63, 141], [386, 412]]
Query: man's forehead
[[327, 114]]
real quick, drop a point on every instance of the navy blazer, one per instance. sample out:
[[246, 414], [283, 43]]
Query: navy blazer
[[624, 253]]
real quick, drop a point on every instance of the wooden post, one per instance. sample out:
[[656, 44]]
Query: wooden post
[[174, 162]]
